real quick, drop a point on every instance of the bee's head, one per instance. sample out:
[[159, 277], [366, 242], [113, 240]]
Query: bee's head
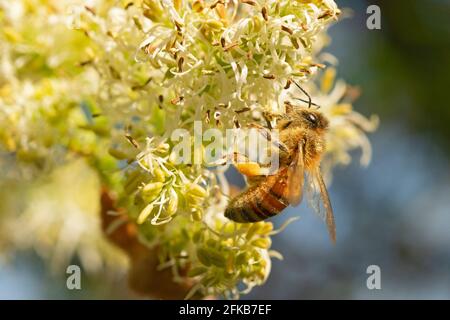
[[313, 119]]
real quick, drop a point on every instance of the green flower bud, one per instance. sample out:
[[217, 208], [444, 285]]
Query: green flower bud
[[118, 154], [214, 24], [198, 236], [242, 258], [172, 206], [145, 214], [211, 243], [152, 10], [266, 228], [196, 214], [230, 264], [132, 182], [203, 257], [209, 256], [196, 190], [152, 188], [263, 243], [163, 148], [197, 271], [254, 228], [159, 174], [197, 6]]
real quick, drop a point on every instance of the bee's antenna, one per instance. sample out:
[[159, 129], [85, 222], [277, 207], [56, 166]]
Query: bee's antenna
[[306, 101], [306, 94]]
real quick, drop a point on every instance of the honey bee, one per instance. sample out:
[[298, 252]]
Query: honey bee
[[301, 146]]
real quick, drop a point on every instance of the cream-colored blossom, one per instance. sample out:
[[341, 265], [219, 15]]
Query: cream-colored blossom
[[59, 220]]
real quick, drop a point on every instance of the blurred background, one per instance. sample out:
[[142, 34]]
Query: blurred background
[[394, 214]]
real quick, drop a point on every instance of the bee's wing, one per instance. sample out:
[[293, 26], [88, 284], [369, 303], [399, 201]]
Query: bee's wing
[[295, 179], [319, 200]]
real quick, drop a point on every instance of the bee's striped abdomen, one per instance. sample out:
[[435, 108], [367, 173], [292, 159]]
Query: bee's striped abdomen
[[259, 202]]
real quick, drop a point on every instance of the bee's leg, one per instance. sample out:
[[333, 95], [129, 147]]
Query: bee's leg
[[269, 116], [251, 170], [235, 157], [264, 131], [242, 163], [266, 134], [285, 156], [246, 167], [255, 179]]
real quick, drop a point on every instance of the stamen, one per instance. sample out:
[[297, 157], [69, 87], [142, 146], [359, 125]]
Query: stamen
[[264, 13]]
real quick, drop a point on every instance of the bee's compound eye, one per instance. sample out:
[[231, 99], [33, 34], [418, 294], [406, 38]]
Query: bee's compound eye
[[312, 118]]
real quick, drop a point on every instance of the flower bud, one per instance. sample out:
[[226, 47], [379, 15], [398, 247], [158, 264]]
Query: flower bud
[[252, 230], [118, 154], [198, 236], [230, 264], [145, 214], [209, 256], [197, 6], [197, 271], [266, 228], [159, 174], [241, 258], [196, 190], [263, 243], [172, 206], [214, 24], [163, 148], [203, 257], [196, 214], [151, 190], [132, 181]]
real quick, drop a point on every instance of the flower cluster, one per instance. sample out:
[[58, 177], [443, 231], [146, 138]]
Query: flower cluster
[[46, 126], [228, 61], [112, 80], [41, 87]]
